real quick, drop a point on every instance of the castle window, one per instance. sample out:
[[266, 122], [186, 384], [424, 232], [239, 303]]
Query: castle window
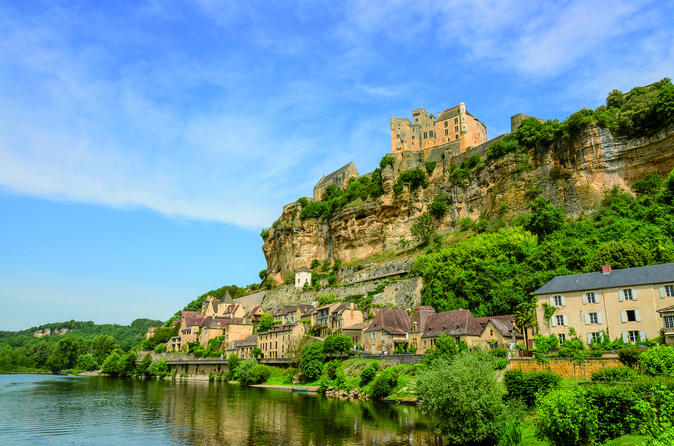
[[456, 120], [445, 124], [425, 135], [456, 128], [457, 136], [446, 132], [430, 134]]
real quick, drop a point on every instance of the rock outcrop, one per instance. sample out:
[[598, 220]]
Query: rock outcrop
[[574, 175]]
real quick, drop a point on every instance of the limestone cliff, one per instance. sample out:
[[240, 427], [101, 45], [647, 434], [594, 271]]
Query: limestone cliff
[[573, 175]]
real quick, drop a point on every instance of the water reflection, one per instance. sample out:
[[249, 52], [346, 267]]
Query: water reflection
[[99, 410]]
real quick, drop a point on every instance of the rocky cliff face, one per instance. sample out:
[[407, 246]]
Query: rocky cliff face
[[574, 175]]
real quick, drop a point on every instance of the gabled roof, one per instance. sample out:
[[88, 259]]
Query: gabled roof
[[420, 316], [220, 322], [227, 298], [256, 309], [231, 308], [303, 270], [504, 324], [391, 321], [342, 308], [452, 323], [327, 178], [192, 318], [281, 327], [643, 275], [360, 326], [250, 341]]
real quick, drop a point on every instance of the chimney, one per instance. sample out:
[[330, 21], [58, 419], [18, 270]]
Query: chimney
[[606, 269]]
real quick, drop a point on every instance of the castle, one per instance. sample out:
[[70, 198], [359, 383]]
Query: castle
[[455, 128]]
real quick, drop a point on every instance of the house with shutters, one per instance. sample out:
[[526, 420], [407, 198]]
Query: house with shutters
[[632, 303]]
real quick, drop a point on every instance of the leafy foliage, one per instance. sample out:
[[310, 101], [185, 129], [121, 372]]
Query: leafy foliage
[[413, 179], [658, 361], [527, 386], [423, 229], [266, 322], [384, 383], [614, 374], [334, 198], [368, 373], [566, 418], [311, 361], [257, 374], [337, 344]]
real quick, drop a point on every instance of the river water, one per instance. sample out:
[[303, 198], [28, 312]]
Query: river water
[[62, 410]]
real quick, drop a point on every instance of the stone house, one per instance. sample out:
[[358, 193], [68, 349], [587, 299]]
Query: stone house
[[233, 329], [344, 315], [388, 328], [339, 178], [631, 303], [322, 318], [356, 333], [302, 277], [289, 314], [255, 314], [279, 341], [190, 326], [499, 332], [243, 348], [454, 126]]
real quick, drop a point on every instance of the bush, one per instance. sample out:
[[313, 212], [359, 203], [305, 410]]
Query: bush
[[311, 361], [112, 364], [232, 364], [384, 383], [414, 179], [566, 418], [368, 373], [499, 352], [630, 355], [86, 362], [244, 368], [615, 374], [618, 410], [142, 368], [465, 399], [423, 228], [430, 166], [257, 374], [527, 386], [331, 368], [160, 348], [657, 361], [158, 368]]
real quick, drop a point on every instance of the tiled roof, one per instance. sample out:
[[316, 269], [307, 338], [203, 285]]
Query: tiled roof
[[390, 320], [361, 326], [250, 341], [420, 316], [280, 327], [192, 318], [504, 324], [219, 321], [643, 275], [256, 309], [452, 323]]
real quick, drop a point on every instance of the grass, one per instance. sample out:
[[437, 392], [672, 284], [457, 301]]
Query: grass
[[529, 436]]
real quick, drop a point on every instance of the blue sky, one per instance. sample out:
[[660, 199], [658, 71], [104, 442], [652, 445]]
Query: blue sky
[[143, 145]]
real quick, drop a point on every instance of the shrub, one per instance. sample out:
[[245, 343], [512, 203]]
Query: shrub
[[257, 374], [311, 361], [158, 368], [430, 166], [368, 373], [232, 364], [160, 348], [86, 362], [112, 364], [315, 264], [614, 374], [414, 179], [466, 224], [618, 410], [331, 368], [384, 383], [423, 228], [630, 355], [499, 352], [386, 161], [142, 368], [465, 399], [527, 386], [657, 361], [566, 418], [244, 368]]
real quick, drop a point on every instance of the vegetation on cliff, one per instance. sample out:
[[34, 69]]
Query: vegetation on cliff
[[496, 269]]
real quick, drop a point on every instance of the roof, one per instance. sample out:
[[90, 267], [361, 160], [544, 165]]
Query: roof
[[504, 324], [303, 270], [251, 300], [669, 309], [361, 326], [452, 323], [218, 321], [255, 309], [192, 318], [327, 178], [250, 341], [390, 320], [227, 298], [281, 327], [420, 316], [617, 278], [342, 308]]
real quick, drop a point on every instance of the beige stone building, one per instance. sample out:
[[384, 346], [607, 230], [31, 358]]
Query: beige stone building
[[339, 178], [388, 328], [302, 277], [280, 340], [630, 303], [233, 329], [290, 314], [356, 333], [190, 326], [453, 126], [243, 348]]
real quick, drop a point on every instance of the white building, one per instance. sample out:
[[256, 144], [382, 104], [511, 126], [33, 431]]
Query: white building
[[302, 276]]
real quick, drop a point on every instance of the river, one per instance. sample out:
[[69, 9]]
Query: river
[[69, 410]]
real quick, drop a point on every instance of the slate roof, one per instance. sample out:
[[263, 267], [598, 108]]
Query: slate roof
[[360, 326], [255, 310], [250, 341], [192, 318], [327, 178], [420, 316], [617, 278], [280, 327], [391, 321], [452, 323], [218, 321]]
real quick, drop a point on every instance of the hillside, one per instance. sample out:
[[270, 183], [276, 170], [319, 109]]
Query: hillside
[[572, 164]]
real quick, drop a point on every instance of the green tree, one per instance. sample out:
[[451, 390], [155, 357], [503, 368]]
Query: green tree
[[423, 228], [266, 322], [311, 361], [144, 366], [86, 362], [545, 218], [464, 399], [565, 418], [446, 348], [101, 347], [64, 355], [337, 344], [624, 253], [113, 363]]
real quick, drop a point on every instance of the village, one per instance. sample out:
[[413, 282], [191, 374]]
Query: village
[[634, 304]]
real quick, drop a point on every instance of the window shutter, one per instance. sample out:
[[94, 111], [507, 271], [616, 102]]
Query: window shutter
[[553, 321], [637, 314], [662, 292], [601, 336], [623, 316], [634, 294], [584, 298], [566, 320], [587, 319], [596, 298], [552, 300], [621, 296], [589, 338], [626, 336], [642, 335], [563, 301], [599, 318]]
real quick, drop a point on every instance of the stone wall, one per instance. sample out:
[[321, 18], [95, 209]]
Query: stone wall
[[396, 359], [402, 294], [564, 367], [351, 275]]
